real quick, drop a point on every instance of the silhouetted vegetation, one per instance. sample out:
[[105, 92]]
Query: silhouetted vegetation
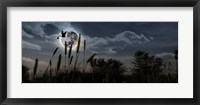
[[25, 74], [145, 68]]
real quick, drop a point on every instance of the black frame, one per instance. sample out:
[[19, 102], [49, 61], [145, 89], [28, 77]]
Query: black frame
[[98, 3]]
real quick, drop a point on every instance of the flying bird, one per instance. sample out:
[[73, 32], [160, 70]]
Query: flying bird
[[63, 33]]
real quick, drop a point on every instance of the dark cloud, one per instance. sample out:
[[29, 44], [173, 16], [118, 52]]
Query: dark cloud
[[28, 30], [25, 35], [50, 29], [112, 28], [33, 28]]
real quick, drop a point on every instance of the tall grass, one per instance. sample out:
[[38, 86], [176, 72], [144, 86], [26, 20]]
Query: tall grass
[[77, 51], [35, 68], [84, 47], [78, 46], [59, 63], [50, 73], [76, 57], [65, 54], [90, 59], [69, 57], [71, 60], [49, 65]]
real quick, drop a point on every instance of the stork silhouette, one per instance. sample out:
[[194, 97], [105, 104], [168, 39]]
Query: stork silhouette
[[63, 34]]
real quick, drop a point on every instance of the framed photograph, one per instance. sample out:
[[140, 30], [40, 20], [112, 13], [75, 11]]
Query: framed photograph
[[99, 52]]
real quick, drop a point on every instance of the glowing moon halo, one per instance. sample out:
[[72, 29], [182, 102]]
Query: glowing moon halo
[[71, 38]]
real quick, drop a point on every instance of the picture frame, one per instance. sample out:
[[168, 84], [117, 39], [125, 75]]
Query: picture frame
[[103, 3]]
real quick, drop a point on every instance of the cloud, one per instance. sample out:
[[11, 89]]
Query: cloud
[[33, 28], [110, 51], [106, 51], [52, 40], [46, 32], [53, 29], [107, 44], [28, 45], [44, 28], [61, 25], [27, 59], [151, 38], [50, 29], [130, 37], [165, 55], [95, 41], [29, 62], [26, 35]]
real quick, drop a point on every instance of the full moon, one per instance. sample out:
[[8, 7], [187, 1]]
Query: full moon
[[71, 39]]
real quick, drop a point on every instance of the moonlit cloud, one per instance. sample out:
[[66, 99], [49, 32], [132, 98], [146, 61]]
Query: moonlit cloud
[[130, 37], [107, 44], [28, 45], [111, 51], [166, 55], [95, 41]]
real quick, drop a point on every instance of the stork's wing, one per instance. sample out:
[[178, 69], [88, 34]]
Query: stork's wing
[[63, 33]]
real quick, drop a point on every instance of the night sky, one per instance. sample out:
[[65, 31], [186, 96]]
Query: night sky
[[117, 40]]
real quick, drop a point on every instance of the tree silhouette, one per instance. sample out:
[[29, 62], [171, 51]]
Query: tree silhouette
[[147, 68], [176, 59], [107, 70]]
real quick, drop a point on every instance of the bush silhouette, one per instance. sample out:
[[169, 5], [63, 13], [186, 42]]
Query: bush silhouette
[[25, 74]]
